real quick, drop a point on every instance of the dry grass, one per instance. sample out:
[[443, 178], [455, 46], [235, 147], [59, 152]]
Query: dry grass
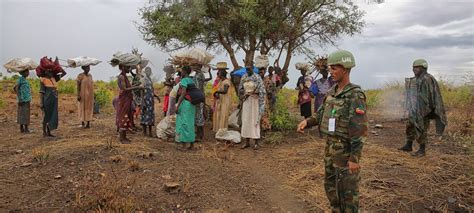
[[116, 158], [391, 180], [134, 166], [415, 180], [109, 143], [110, 194], [219, 151], [40, 155]]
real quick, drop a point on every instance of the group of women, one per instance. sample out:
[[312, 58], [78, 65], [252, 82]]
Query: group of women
[[136, 97], [256, 99], [49, 73]]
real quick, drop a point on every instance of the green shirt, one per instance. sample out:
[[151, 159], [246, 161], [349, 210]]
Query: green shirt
[[24, 90]]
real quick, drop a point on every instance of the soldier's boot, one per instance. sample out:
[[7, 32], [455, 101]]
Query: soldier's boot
[[408, 147], [420, 152]]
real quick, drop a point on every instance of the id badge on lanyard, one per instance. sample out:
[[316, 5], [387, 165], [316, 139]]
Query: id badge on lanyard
[[332, 122]]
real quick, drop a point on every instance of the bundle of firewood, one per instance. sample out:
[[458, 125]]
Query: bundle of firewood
[[193, 57]]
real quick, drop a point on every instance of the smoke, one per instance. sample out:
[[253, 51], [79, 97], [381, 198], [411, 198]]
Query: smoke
[[391, 101]]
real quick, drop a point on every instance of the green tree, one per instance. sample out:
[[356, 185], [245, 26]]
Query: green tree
[[268, 26]]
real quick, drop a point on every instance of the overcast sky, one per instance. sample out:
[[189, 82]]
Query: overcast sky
[[397, 32]]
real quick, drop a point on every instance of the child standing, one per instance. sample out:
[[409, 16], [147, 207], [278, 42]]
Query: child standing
[[23, 91]]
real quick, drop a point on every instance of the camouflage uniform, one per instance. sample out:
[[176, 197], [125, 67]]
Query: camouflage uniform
[[342, 120], [344, 144], [423, 103]]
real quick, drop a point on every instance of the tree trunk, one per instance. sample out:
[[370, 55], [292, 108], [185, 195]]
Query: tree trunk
[[229, 50], [284, 70], [233, 59], [264, 49], [249, 55], [289, 53]]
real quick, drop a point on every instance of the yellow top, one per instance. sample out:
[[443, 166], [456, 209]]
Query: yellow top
[[49, 82]]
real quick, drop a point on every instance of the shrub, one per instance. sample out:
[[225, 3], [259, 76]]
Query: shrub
[[102, 96], [112, 84], [281, 118]]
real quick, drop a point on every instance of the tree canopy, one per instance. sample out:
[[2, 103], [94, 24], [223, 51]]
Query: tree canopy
[[269, 27]]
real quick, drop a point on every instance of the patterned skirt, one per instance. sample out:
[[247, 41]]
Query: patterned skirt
[[23, 113]]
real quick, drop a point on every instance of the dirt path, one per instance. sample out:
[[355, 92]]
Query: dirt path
[[214, 177], [275, 194]]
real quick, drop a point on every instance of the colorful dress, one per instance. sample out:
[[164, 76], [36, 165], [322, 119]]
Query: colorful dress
[[166, 100], [148, 103], [199, 81], [23, 99], [50, 102], [253, 106], [185, 117], [270, 93], [319, 89], [124, 105], [215, 87], [173, 99], [220, 118], [136, 81], [304, 97], [86, 104]]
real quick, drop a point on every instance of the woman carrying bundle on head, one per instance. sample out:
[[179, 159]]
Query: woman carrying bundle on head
[[186, 112], [23, 91], [50, 73]]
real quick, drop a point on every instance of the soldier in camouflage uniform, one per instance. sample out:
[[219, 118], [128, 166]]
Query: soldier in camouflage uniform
[[342, 120], [423, 102]]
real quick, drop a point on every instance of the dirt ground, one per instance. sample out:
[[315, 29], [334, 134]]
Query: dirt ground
[[87, 169]]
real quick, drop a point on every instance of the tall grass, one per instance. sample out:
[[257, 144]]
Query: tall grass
[[454, 96], [34, 84], [373, 97], [67, 86]]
